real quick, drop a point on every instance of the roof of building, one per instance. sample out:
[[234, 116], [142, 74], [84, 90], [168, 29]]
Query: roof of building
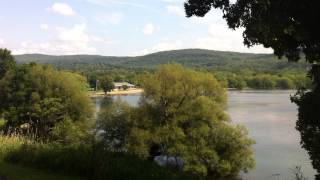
[[120, 84]]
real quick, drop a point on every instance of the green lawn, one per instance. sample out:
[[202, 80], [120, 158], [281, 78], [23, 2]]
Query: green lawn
[[16, 172]]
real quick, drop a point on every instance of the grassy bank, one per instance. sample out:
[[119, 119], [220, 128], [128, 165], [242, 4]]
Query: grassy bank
[[88, 161]]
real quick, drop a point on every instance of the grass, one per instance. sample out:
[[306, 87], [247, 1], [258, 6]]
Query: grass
[[17, 172], [90, 161]]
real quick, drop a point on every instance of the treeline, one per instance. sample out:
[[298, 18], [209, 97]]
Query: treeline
[[235, 70], [192, 58], [244, 79], [263, 80], [95, 78]]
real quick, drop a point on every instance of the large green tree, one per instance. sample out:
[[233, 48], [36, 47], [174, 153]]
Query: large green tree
[[34, 99], [181, 114]]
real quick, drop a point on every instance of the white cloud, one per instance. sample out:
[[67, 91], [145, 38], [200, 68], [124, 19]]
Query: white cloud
[[112, 18], [221, 38], [74, 40], [117, 2], [148, 29], [1, 41], [103, 40], [176, 10], [76, 35], [162, 46], [63, 9], [44, 26]]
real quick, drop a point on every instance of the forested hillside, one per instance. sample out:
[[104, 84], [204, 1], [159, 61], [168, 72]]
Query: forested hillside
[[197, 58]]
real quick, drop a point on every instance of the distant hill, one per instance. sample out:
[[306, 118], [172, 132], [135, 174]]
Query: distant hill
[[197, 58]]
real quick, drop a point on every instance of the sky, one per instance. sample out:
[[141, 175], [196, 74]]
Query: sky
[[112, 28]]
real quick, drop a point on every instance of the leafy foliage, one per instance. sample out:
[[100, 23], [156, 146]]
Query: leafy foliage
[[263, 80], [35, 98], [308, 124], [6, 62], [107, 84], [181, 114]]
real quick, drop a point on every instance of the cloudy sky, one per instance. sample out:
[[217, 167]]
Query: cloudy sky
[[112, 27]]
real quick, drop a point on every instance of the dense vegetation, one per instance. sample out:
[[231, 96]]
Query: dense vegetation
[[195, 58], [180, 115], [235, 70], [46, 122], [39, 101], [266, 80]]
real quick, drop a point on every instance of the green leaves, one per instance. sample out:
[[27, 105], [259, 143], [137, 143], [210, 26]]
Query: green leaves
[[107, 84], [40, 97], [7, 62], [181, 114]]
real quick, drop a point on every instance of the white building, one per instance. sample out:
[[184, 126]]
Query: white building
[[122, 85]]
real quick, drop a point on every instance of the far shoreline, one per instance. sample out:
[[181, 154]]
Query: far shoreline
[[136, 91], [131, 91]]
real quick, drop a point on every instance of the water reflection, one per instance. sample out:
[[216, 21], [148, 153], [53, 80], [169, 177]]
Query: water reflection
[[270, 118]]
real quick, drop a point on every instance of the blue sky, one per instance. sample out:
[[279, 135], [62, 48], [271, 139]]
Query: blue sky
[[112, 27]]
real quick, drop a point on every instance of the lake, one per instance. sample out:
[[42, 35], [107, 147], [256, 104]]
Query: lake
[[270, 118]]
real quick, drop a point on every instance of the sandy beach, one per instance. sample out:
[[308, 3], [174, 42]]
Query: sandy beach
[[116, 92]]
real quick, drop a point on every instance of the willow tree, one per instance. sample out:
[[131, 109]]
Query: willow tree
[[182, 114]]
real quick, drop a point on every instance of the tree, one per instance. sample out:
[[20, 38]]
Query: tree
[[35, 98], [6, 62], [181, 114], [308, 125], [107, 84]]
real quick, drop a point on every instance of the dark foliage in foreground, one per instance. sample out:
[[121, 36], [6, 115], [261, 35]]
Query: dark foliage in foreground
[[308, 123]]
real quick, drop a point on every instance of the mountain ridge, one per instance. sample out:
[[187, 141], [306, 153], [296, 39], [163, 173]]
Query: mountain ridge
[[198, 58]]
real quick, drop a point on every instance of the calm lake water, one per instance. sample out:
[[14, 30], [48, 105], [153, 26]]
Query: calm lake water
[[270, 118]]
